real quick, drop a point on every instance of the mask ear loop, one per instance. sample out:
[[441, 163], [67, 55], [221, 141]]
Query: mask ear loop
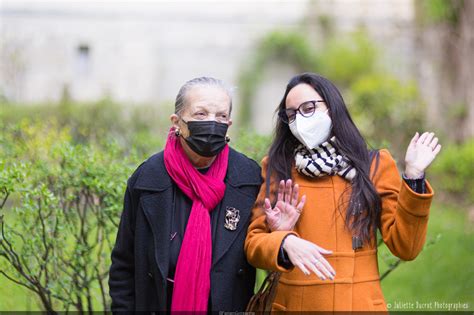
[[183, 119], [177, 132]]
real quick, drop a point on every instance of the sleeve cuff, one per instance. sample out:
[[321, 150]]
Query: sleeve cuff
[[415, 203], [416, 184], [277, 237], [283, 259]]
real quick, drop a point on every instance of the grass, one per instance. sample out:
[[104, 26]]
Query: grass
[[16, 298], [443, 273]]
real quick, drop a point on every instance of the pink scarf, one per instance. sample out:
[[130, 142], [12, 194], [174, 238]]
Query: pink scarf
[[192, 277]]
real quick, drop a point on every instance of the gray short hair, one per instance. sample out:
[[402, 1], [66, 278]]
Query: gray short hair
[[180, 102]]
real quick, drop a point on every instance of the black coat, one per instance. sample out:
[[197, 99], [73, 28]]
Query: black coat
[[140, 257]]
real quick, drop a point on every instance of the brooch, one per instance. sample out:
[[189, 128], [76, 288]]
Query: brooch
[[232, 218]]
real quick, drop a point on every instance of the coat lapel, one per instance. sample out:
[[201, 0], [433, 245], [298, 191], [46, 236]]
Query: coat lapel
[[156, 208], [157, 203]]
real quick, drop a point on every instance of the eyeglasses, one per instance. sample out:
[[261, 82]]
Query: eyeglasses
[[306, 109]]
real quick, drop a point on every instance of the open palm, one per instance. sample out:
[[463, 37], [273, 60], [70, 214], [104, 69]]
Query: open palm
[[421, 152], [287, 210]]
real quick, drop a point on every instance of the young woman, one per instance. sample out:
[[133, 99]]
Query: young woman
[[348, 192]]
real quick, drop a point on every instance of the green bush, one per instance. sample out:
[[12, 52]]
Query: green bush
[[253, 145], [454, 171], [440, 11], [60, 204], [345, 58], [383, 106], [140, 128]]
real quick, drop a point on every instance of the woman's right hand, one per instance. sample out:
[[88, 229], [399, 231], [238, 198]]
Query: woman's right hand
[[308, 256]]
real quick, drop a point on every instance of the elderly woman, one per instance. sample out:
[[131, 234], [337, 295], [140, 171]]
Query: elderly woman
[[324, 243], [186, 211]]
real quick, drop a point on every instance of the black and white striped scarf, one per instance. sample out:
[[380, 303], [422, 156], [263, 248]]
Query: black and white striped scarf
[[323, 160]]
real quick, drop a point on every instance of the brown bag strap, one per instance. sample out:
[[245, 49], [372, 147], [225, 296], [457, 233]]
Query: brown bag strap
[[262, 300], [274, 279]]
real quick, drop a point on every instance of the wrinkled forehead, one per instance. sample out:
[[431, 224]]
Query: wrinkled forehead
[[208, 98]]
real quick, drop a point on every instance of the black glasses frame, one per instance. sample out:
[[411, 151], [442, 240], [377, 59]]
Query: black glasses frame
[[288, 119]]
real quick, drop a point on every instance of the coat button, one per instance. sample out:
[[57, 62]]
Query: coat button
[[150, 275], [241, 272]]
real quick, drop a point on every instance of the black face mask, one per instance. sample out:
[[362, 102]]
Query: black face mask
[[206, 138]]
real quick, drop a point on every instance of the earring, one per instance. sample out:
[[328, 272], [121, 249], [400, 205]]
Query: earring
[[227, 138], [177, 133]]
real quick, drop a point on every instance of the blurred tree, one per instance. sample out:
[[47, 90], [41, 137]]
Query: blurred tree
[[445, 40], [13, 66]]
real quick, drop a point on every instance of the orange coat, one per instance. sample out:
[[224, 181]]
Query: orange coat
[[356, 286]]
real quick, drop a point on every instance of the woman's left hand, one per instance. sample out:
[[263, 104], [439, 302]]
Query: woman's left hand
[[421, 151], [287, 210]]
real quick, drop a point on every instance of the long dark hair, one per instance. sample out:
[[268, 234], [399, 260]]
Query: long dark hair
[[364, 204]]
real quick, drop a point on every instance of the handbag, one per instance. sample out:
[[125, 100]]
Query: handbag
[[261, 301]]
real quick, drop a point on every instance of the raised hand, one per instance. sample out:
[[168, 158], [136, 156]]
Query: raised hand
[[287, 210], [421, 151]]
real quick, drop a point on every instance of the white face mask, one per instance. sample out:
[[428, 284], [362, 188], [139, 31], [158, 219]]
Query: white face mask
[[312, 131]]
